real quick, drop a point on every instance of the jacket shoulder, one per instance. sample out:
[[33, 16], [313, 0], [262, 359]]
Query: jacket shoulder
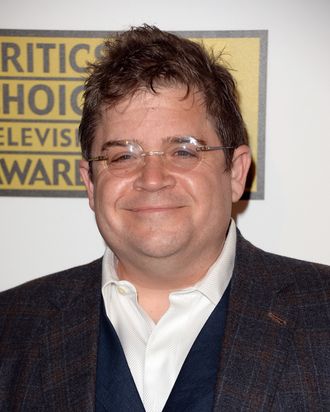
[[47, 325], [53, 287], [26, 309], [278, 269]]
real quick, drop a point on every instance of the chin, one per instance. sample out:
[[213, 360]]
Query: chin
[[160, 247]]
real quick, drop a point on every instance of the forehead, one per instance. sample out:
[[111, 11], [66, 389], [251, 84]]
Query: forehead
[[149, 117]]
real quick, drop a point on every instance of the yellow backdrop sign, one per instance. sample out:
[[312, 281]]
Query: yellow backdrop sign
[[41, 81]]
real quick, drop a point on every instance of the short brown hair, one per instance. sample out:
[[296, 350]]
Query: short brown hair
[[144, 57]]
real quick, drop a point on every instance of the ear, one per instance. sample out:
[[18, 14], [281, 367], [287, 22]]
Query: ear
[[240, 166], [85, 176]]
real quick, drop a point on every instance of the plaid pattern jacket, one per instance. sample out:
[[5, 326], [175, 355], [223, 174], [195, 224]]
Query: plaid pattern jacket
[[275, 356]]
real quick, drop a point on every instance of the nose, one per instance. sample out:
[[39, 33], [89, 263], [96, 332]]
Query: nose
[[153, 175]]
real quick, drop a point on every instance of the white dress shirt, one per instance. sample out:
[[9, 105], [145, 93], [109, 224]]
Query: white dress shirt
[[155, 352]]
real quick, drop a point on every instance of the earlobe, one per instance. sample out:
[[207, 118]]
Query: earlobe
[[85, 176], [240, 167]]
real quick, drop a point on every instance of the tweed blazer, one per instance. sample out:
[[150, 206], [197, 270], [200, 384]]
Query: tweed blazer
[[275, 355]]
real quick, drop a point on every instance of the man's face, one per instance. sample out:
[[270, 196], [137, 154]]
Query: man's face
[[156, 212]]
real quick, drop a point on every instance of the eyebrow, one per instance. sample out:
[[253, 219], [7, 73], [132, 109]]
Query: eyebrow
[[119, 142], [168, 139], [185, 139]]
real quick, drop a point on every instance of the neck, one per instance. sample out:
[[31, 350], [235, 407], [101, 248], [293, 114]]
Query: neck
[[164, 274], [154, 302], [156, 278]]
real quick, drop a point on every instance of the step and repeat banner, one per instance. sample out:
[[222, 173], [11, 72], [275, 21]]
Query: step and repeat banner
[[41, 83]]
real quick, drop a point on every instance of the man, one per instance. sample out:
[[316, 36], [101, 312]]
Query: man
[[182, 313]]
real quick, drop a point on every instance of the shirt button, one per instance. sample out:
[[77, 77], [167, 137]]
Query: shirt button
[[121, 290]]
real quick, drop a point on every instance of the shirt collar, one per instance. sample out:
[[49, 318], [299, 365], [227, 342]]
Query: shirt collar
[[212, 285], [217, 278]]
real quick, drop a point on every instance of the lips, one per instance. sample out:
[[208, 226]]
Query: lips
[[153, 208], [153, 203]]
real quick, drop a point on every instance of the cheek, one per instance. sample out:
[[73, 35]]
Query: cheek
[[215, 201], [108, 190], [210, 186]]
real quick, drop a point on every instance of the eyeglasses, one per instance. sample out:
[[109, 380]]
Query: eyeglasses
[[180, 154]]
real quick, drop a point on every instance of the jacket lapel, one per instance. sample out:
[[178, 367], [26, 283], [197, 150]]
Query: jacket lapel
[[258, 333], [68, 348]]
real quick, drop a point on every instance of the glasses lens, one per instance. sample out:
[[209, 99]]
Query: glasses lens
[[123, 158], [183, 155]]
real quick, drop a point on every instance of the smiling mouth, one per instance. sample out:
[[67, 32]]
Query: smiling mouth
[[154, 209]]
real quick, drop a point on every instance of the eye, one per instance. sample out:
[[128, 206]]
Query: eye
[[184, 152], [121, 157]]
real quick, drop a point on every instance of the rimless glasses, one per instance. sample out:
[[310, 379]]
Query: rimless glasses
[[180, 154]]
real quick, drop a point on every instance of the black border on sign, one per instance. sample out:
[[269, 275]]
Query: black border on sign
[[260, 164]]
